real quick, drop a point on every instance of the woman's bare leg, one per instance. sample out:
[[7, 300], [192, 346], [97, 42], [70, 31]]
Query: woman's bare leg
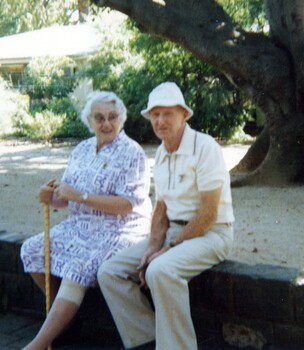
[[63, 310], [39, 279], [61, 314]]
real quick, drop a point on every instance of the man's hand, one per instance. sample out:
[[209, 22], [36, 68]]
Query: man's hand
[[142, 267], [145, 261], [157, 254]]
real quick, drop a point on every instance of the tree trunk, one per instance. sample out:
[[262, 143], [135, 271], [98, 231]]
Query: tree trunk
[[255, 155], [284, 161]]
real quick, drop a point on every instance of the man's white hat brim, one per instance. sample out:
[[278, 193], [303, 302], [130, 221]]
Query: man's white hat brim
[[167, 94], [145, 112]]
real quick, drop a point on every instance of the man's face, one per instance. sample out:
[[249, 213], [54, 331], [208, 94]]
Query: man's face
[[168, 122]]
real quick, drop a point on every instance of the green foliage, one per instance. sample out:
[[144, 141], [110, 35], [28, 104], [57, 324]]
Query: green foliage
[[7, 107], [239, 136], [12, 104], [51, 113], [119, 68], [132, 64], [18, 16], [217, 106], [47, 77], [57, 118], [249, 14], [114, 56], [72, 125], [43, 125]]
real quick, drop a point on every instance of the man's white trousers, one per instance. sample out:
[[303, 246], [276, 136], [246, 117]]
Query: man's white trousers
[[167, 277]]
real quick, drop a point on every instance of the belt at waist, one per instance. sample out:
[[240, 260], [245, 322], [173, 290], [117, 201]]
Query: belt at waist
[[184, 223], [179, 222]]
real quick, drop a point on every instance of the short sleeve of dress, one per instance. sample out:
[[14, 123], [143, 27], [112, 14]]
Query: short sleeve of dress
[[134, 179], [211, 168]]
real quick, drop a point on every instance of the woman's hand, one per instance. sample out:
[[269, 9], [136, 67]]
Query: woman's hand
[[46, 192], [65, 192]]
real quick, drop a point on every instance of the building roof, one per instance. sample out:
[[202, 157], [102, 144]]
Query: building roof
[[73, 41]]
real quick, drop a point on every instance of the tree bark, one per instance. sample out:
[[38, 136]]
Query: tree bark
[[282, 165], [270, 69], [255, 155]]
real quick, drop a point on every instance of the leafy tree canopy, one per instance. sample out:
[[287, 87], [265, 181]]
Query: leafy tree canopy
[[17, 16]]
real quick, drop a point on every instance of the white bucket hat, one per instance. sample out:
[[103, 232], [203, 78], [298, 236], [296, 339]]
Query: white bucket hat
[[166, 95]]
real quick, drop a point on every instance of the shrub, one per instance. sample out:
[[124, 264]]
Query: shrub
[[12, 105], [51, 112], [43, 125], [72, 125], [49, 77]]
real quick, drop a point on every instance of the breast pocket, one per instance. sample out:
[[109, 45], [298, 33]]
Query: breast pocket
[[185, 179]]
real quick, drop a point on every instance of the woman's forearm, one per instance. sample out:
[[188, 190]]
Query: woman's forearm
[[109, 204], [58, 203], [114, 205]]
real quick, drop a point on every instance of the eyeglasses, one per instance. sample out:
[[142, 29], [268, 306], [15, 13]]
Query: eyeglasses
[[100, 119]]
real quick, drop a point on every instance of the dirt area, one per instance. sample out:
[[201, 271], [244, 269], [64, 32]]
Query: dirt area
[[268, 227]]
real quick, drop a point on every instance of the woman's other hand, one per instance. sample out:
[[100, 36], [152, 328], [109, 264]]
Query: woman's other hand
[[65, 192]]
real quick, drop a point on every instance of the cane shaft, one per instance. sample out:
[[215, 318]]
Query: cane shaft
[[47, 257]]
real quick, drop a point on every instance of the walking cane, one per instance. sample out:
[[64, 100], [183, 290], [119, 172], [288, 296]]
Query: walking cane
[[47, 261]]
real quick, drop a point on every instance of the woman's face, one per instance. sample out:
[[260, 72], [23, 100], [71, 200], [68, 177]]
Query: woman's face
[[105, 122]]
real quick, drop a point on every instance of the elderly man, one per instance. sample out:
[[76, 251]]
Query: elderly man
[[191, 231]]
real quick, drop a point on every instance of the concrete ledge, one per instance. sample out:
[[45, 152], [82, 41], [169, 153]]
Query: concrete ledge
[[264, 299], [246, 305]]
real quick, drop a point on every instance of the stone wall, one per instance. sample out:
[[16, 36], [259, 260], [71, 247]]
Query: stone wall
[[246, 305]]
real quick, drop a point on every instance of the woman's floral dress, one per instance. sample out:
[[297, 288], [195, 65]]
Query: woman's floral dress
[[80, 244]]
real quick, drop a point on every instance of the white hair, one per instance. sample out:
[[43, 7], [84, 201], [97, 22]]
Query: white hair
[[103, 96]]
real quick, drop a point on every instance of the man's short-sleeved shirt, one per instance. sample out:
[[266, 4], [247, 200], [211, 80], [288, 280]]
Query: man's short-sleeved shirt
[[197, 166]]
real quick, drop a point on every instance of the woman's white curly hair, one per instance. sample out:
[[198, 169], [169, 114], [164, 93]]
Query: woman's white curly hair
[[103, 96]]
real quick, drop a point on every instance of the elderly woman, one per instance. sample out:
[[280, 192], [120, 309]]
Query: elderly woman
[[106, 187]]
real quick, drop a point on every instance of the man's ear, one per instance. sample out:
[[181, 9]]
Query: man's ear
[[186, 113]]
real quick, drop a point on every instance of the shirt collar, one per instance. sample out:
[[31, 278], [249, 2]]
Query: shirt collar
[[186, 146]]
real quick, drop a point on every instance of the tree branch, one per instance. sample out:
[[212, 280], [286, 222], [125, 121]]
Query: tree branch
[[203, 28]]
